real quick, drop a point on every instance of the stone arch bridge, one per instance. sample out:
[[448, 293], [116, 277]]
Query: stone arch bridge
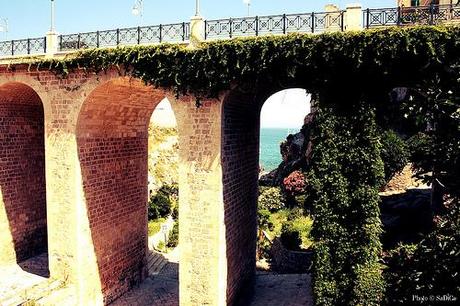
[[73, 177]]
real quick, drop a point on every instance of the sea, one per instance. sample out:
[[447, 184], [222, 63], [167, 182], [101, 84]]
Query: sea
[[270, 139]]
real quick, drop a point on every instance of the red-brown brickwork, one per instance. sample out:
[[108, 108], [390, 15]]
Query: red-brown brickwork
[[22, 168], [240, 165], [112, 148]]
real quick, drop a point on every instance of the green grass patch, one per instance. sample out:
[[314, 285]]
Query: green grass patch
[[154, 226]]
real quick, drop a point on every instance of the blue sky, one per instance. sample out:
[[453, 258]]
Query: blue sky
[[30, 18]]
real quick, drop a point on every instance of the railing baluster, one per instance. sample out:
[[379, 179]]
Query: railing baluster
[[97, 39], [138, 35], [399, 20], [78, 41], [183, 31], [205, 30], [313, 22], [28, 46], [12, 47], [118, 37], [284, 24], [231, 27], [161, 34], [257, 25], [368, 18], [44, 43]]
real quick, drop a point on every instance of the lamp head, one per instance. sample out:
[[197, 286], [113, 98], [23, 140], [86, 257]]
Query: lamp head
[[247, 2]]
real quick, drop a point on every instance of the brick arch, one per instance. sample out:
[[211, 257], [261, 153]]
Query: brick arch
[[22, 172], [112, 136], [240, 169]]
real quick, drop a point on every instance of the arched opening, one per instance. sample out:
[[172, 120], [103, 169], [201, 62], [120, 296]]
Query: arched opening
[[113, 150], [23, 226], [254, 124]]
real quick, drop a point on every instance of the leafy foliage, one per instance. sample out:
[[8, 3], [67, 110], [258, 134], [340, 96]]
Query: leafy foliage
[[346, 173], [396, 56], [173, 239], [429, 268], [294, 183], [290, 236], [271, 199], [394, 153], [162, 202]]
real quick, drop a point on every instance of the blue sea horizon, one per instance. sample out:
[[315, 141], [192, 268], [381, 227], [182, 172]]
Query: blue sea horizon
[[270, 140]]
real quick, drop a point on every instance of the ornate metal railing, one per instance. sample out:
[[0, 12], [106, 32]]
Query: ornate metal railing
[[178, 32], [276, 24], [427, 15], [23, 46], [237, 27]]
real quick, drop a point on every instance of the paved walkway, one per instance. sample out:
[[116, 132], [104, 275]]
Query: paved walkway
[[270, 290], [16, 280]]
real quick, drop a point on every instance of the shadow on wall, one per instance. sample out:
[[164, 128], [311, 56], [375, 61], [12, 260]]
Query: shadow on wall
[[112, 138], [23, 232]]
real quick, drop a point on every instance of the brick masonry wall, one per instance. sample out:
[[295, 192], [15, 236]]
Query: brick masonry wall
[[22, 168], [240, 163], [112, 148]]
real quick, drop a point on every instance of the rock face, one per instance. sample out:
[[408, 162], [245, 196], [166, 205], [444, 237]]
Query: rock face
[[295, 152], [405, 216]]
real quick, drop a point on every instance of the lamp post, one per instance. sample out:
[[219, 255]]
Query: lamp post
[[138, 9], [4, 26], [197, 8], [52, 27], [248, 3]]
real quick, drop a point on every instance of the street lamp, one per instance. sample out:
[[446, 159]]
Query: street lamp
[[197, 8], [52, 28], [138, 8], [248, 3], [4, 26]]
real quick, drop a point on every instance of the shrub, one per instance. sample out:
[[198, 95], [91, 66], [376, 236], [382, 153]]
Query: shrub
[[429, 268], [290, 236], [162, 203], [394, 152], [294, 184], [271, 199], [173, 240]]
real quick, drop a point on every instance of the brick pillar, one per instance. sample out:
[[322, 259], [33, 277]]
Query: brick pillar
[[203, 263]]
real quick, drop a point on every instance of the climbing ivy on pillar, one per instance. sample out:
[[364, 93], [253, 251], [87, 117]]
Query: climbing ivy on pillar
[[345, 176]]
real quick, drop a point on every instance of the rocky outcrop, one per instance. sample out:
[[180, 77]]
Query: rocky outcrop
[[295, 152]]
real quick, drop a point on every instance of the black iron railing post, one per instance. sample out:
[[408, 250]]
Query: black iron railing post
[[97, 39], [12, 47], [161, 34], [368, 18], [118, 37], [431, 14], [44, 43], [231, 27], [28, 46], [183, 31], [60, 43], [257, 26], [78, 41], [205, 30], [138, 35], [342, 21], [313, 22], [399, 17], [284, 24]]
